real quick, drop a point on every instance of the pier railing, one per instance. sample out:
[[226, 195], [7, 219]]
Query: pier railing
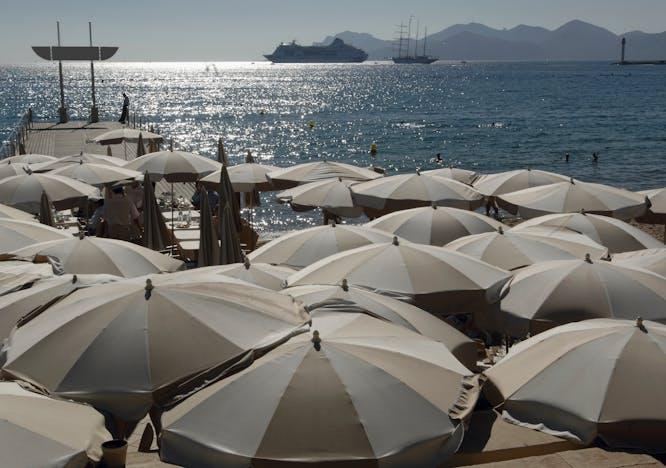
[[16, 140]]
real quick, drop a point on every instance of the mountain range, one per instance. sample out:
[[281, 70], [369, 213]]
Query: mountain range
[[575, 40]]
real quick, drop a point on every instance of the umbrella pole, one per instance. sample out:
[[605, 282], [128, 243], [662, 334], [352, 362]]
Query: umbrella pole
[[173, 236], [125, 148]]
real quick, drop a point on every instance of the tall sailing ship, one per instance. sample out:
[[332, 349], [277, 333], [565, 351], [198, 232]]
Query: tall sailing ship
[[404, 45]]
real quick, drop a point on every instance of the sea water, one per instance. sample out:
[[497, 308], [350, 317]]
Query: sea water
[[487, 117]]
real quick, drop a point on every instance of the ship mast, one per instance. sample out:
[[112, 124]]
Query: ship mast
[[416, 41], [409, 34], [401, 38], [425, 38]]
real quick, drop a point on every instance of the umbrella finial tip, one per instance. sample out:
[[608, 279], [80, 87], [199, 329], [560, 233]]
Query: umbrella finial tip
[[500, 230], [434, 205], [316, 339], [149, 288], [246, 263], [639, 324], [588, 259], [74, 279], [344, 285], [395, 240]]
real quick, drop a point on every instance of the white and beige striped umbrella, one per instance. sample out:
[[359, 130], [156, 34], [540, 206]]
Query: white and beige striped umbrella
[[357, 391], [97, 255], [174, 166], [28, 159], [436, 279], [598, 379], [653, 260], [572, 197], [25, 191], [7, 212], [77, 158], [345, 298], [264, 275], [97, 174], [618, 236], [37, 431], [126, 346], [461, 175], [512, 181], [332, 195], [548, 294], [404, 191], [245, 177], [320, 170], [302, 248], [434, 225], [511, 250], [16, 234]]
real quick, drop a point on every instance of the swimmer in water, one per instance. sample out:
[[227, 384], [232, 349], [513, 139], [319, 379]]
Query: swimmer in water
[[595, 157], [566, 157], [438, 158]]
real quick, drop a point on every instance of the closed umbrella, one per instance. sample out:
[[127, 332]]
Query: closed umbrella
[[41, 431], [553, 293], [512, 181], [230, 248], [571, 197], [226, 193], [345, 298], [512, 250], [155, 231], [45, 211], [140, 148], [358, 391], [404, 191], [260, 274], [222, 157], [333, 196], [434, 225], [305, 247], [597, 379], [15, 234], [77, 158], [174, 166], [436, 279], [27, 159], [612, 233], [7, 212], [98, 255], [115, 347], [96, 174], [25, 191], [455, 173], [209, 245], [315, 171], [653, 260]]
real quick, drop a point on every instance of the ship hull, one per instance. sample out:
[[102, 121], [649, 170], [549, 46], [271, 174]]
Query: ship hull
[[423, 60], [313, 59]]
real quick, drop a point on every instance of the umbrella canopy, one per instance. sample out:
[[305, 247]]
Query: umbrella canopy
[[404, 191], [548, 294], [209, 245], [657, 211], [357, 391], [512, 250], [260, 274], [436, 279], [434, 225], [653, 260], [345, 298], [125, 135], [96, 174], [155, 231], [612, 233], [16, 274], [45, 211], [174, 166], [455, 173], [244, 177], [314, 171], [40, 431], [98, 255], [302, 248], [230, 248], [114, 345], [571, 197], [25, 191], [27, 159], [9, 170], [76, 159], [15, 234], [616, 369], [512, 181], [332, 195], [7, 212]]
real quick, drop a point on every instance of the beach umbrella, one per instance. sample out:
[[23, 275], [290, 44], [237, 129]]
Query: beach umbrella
[[124, 136], [436, 279], [455, 173], [27, 159], [572, 197], [657, 212], [9, 170], [209, 245], [252, 198], [302, 248], [226, 192], [357, 391], [653, 260], [612, 233], [78, 158], [512, 181], [404, 191], [174, 166], [15, 234], [331, 195], [17, 274], [7, 212], [553, 293], [320, 170], [96, 174], [511, 250], [155, 231], [38, 431], [260, 274], [230, 248], [345, 298], [45, 211], [25, 191], [98, 255], [115, 346], [434, 225], [598, 379], [244, 177]]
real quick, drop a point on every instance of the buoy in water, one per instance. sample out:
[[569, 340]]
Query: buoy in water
[[373, 149], [311, 123]]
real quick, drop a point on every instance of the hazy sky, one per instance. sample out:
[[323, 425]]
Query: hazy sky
[[244, 30]]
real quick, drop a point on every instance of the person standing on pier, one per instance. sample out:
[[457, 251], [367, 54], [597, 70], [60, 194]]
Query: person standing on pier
[[124, 116]]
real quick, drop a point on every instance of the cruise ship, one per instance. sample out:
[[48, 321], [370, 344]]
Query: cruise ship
[[336, 52]]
